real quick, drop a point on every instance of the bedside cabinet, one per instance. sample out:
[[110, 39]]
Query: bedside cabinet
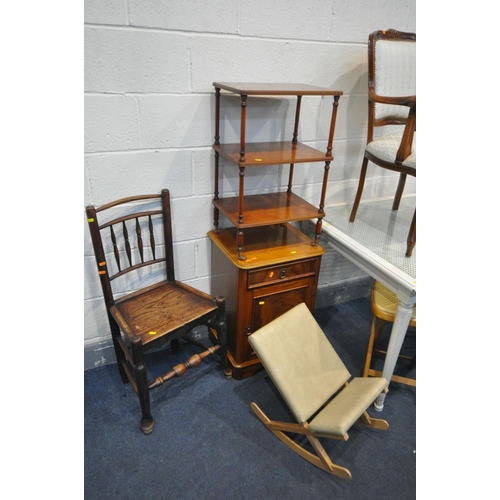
[[281, 270]]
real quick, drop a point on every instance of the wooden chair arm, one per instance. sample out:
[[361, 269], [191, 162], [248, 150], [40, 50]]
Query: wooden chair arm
[[400, 101], [407, 140]]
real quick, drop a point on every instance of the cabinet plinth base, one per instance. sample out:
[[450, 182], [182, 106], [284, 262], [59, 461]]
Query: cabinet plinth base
[[245, 369]]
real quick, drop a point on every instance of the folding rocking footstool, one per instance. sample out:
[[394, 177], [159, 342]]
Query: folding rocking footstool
[[315, 385]]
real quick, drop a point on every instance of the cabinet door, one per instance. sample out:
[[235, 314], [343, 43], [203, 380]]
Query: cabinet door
[[273, 301]]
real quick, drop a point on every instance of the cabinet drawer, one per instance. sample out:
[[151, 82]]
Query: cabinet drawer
[[282, 272]]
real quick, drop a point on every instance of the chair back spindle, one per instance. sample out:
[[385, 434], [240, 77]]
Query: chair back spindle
[[151, 236], [116, 251], [119, 241]]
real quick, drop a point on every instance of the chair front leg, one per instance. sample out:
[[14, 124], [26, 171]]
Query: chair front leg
[[412, 235], [361, 185], [141, 378], [120, 355], [221, 328], [369, 349], [399, 191]]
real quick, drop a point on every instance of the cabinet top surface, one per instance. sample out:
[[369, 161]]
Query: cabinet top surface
[[266, 246], [254, 88]]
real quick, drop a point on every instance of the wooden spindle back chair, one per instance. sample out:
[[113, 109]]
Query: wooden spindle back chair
[[147, 308]]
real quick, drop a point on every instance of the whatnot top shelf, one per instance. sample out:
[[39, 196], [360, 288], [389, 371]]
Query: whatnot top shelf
[[278, 89]]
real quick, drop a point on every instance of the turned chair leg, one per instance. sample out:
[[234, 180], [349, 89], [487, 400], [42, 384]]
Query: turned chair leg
[[120, 355], [375, 333], [413, 362], [399, 191], [221, 329], [141, 378], [412, 235], [361, 185], [174, 346]]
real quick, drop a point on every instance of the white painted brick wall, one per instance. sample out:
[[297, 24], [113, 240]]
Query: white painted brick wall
[[149, 106]]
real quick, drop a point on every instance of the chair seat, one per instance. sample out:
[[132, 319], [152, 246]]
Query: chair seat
[[386, 148], [384, 308], [385, 304], [411, 161], [161, 309], [341, 413]]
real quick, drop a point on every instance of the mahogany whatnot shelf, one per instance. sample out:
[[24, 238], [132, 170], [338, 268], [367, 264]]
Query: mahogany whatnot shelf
[[258, 154], [275, 207], [257, 88], [257, 210]]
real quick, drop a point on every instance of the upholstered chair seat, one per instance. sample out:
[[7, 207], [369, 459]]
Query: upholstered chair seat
[[386, 147]]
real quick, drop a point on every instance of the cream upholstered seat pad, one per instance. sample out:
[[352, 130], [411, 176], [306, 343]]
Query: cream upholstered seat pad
[[386, 148], [300, 360], [339, 414], [411, 161]]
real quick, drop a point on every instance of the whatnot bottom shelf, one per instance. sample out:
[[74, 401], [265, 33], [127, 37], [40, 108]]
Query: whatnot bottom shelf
[[264, 210]]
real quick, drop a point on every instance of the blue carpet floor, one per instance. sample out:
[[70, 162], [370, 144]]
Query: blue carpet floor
[[207, 443]]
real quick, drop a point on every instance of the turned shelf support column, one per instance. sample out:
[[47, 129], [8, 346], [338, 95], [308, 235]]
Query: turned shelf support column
[[242, 173], [294, 140], [216, 143]]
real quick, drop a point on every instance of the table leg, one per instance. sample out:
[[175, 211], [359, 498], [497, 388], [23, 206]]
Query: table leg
[[398, 332]]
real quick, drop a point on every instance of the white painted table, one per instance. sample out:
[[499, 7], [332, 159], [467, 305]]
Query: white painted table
[[376, 242]]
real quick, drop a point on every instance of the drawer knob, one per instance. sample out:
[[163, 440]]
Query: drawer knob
[[248, 330], [283, 272]]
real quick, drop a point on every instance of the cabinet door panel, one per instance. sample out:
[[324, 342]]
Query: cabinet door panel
[[271, 302]]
